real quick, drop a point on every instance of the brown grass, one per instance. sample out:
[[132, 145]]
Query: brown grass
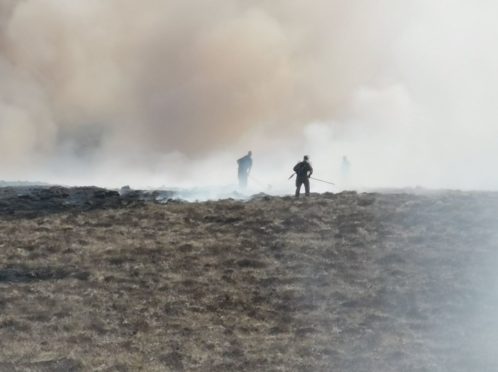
[[341, 282]]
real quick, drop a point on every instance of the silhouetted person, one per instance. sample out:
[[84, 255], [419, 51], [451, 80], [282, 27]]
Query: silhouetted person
[[345, 167], [303, 171], [245, 165]]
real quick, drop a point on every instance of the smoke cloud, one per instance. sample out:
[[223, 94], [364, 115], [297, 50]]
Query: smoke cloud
[[161, 92]]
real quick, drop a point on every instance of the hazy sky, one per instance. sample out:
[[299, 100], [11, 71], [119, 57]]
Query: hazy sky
[[160, 92]]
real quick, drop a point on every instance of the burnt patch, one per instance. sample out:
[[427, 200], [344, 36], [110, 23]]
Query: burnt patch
[[120, 260], [29, 275], [31, 202], [15, 326], [222, 219], [56, 365], [250, 263], [173, 360], [366, 200]]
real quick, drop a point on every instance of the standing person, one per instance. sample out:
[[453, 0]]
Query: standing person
[[303, 170], [245, 165], [345, 170]]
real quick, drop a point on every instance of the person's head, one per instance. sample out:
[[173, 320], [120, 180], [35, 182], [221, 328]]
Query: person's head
[[249, 153], [306, 158]]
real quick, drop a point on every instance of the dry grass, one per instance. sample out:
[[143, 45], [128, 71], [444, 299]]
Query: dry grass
[[341, 282]]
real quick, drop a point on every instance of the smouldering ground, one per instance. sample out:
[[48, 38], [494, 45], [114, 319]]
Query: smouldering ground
[[345, 282]]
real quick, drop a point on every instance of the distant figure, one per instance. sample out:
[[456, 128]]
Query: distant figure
[[303, 171], [345, 166], [345, 169], [245, 165]]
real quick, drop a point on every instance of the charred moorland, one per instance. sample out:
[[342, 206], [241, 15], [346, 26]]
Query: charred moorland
[[94, 280]]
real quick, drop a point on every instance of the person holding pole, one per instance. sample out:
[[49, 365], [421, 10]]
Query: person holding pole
[[245, 165], [303, 171]]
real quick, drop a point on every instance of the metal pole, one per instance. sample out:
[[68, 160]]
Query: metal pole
[[316, 179]]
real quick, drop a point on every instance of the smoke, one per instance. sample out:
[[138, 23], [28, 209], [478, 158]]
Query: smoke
[[161, 92]]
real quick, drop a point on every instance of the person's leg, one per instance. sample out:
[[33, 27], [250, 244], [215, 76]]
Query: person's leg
[[307, 187], [242, 180], [298, 187]]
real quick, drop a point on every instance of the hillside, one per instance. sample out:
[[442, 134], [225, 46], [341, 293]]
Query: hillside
[[91, 280]]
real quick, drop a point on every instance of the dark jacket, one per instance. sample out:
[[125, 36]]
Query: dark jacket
[[245, 163], [303, 170]]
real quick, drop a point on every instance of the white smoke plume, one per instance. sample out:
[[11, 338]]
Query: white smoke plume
[[172, 92]]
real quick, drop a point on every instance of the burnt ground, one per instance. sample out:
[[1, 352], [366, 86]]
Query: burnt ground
[[337, 282]]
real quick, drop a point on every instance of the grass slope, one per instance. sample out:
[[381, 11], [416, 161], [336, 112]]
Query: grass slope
[[344, 282]]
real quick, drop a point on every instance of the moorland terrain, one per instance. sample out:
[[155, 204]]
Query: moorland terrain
[[91, 280]]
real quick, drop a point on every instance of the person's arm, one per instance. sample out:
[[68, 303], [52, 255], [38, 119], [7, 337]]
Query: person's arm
[[310, 171]]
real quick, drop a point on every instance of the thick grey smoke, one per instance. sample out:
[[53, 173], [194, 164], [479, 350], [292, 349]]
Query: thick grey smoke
[[162, 91]]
